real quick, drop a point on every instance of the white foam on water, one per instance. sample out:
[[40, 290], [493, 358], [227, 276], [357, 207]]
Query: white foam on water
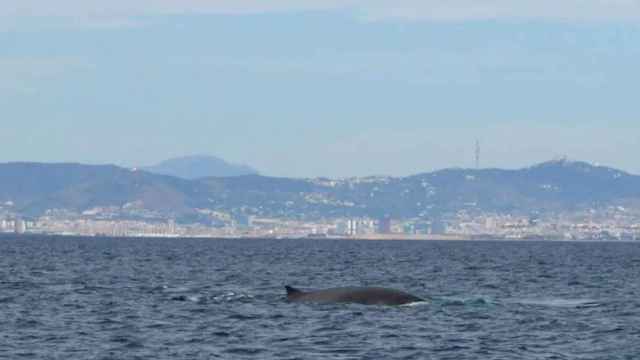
[[477, 300], [232, 296], [417, 303], [179, 289]]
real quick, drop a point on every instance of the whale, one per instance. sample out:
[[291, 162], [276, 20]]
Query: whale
[[354, 295]]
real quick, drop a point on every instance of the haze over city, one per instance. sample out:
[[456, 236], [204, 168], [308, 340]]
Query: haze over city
[[321, 88]]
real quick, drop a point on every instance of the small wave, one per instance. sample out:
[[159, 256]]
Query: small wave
[[472, 301], [205, 298], [417, 303], [231, 296], [194, 298], [243, 317], [491, 286], [28, 323], [90, 289], [575, 303], [222, 334], [182, 293], [168, 289], [64, 287], [190, 298], [245, 351], [450, 348]]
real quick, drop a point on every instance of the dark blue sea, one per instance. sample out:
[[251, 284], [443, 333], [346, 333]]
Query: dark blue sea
[[94, 298]]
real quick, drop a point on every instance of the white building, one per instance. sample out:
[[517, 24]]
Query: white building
[[20, 227]]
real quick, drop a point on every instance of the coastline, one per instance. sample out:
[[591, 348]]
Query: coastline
[[370, 237]]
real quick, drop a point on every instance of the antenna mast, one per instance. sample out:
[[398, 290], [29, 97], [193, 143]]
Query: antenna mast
[[477, 154]]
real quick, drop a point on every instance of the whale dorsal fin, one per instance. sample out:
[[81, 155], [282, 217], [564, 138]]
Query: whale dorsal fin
[[292, 290]]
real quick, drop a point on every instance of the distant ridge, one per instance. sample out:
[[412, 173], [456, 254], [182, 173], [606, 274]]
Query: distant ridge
[[560, 185], [198, 167]]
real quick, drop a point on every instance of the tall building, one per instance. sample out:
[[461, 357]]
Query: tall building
[[243, 221], [438, 227], [352, 227], [384, 225], [20, 227]]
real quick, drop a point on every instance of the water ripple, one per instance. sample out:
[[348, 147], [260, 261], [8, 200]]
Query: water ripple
[[208, 299]]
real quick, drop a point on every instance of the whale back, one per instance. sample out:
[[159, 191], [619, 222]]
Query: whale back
[[357, 295], [293, 293]]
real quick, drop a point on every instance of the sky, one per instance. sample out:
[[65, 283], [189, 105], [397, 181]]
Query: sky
[[311, 88]]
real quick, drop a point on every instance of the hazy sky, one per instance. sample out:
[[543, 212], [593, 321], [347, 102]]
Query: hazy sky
[[321, 87]]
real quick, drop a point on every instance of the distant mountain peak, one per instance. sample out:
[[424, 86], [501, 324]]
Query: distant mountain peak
[[566, 167], [565, 163], [199, 166]]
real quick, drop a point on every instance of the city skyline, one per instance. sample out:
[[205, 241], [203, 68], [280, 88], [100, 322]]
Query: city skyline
[[307, 89]]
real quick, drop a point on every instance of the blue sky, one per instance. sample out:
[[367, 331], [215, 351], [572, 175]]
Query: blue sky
[[332, 88]]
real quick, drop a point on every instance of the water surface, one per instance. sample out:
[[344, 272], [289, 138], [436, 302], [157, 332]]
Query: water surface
[[89, 298]]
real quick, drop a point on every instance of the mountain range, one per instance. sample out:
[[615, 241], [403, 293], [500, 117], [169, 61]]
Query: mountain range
[[199, 166], [31, 189]]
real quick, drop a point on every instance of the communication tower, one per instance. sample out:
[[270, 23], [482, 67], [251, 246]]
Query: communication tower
[[477, 154]]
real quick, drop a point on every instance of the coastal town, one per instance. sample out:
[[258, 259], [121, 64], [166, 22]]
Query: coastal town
[[613, 223]]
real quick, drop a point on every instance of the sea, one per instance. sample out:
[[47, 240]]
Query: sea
[[112, 298]]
